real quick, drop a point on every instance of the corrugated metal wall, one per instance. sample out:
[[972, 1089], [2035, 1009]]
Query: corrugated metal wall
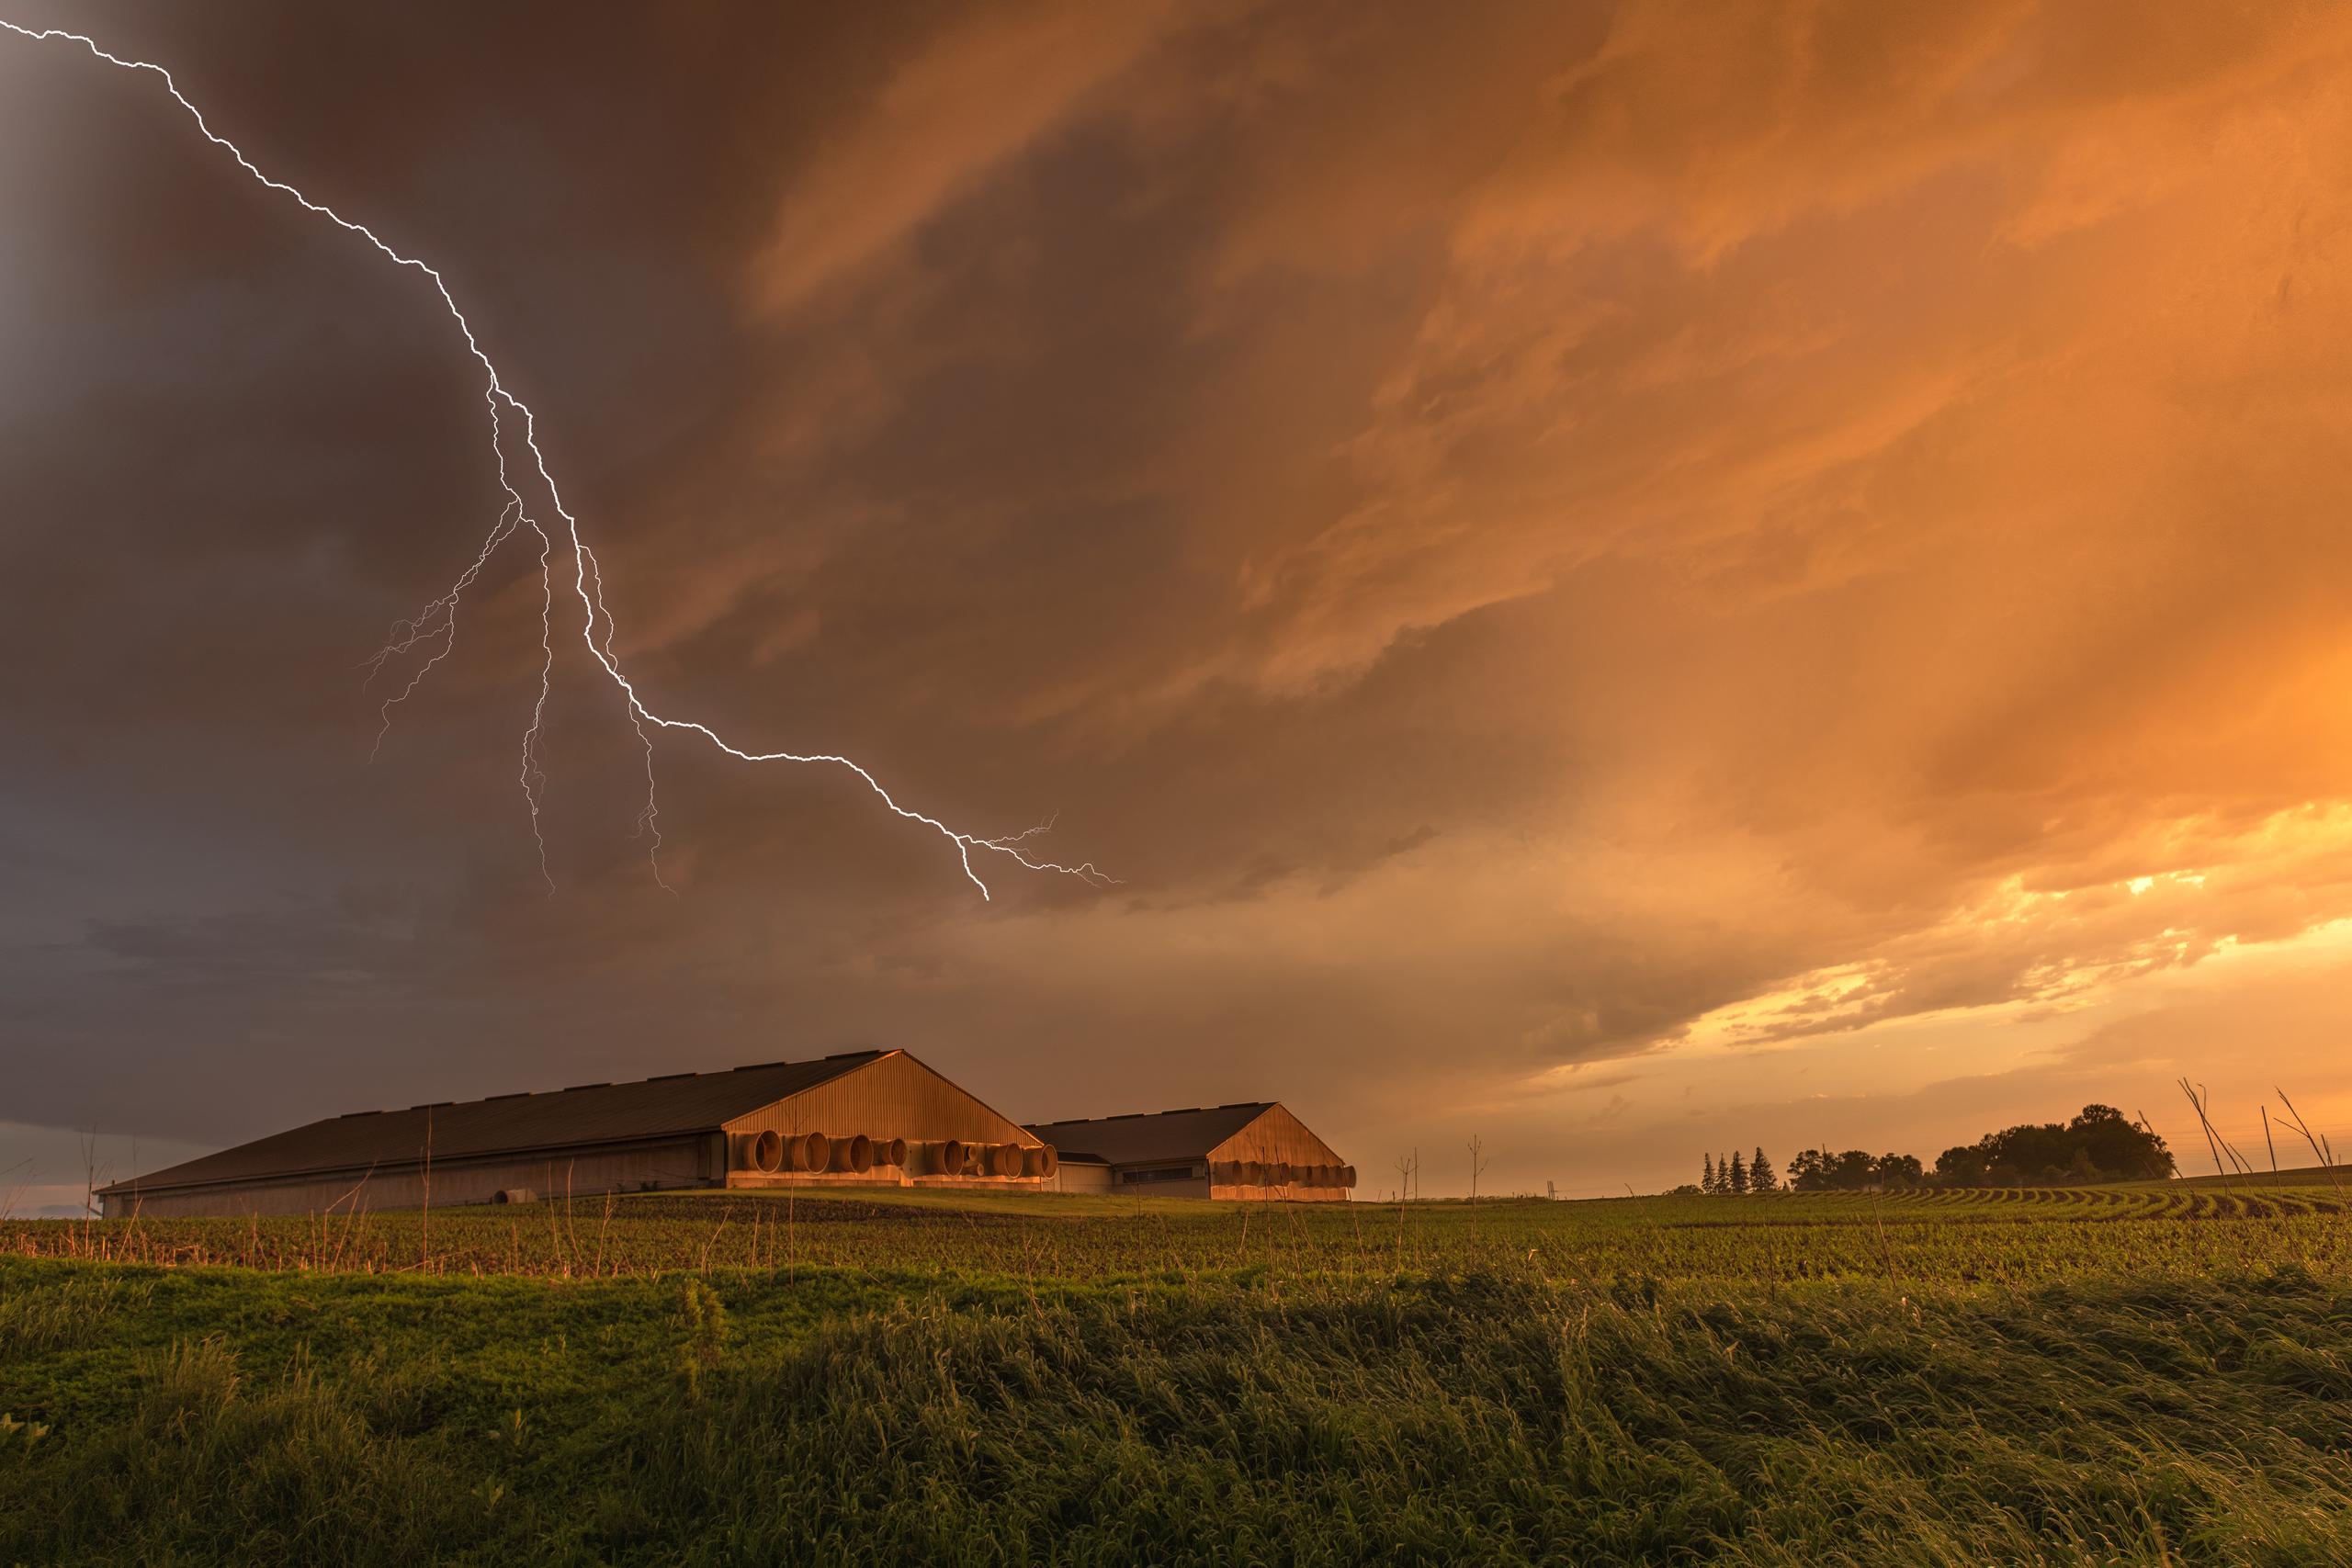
[[685, 1162], [896, 1097], [1276, 1157]]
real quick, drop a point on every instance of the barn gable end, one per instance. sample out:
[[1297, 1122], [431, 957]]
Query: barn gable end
[[1250, 1150]]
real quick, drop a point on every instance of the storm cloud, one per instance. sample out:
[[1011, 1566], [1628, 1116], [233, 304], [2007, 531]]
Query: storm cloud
[[1642, 578]]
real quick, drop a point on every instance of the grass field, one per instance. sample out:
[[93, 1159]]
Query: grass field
[[2141, 1374]]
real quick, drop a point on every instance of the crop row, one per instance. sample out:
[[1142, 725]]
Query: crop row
[[2014, 1236]]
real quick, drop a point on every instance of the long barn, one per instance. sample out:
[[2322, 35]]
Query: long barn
[[860, 1118], [1253, 1150]]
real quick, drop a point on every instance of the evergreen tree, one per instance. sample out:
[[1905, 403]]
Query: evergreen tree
[[1762, 1177], [1739, 1181], [1707, 1182]]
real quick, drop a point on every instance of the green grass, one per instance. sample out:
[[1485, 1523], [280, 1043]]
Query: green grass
[[2107, 1376]]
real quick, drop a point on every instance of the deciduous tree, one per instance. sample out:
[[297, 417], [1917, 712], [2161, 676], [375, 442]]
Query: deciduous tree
[[2100, 1145]]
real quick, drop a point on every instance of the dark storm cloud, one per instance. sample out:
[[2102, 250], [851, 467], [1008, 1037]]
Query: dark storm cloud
[[1518, 536]]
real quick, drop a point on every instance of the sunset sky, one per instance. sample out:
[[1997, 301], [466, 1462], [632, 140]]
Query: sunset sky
[[1634, 581]]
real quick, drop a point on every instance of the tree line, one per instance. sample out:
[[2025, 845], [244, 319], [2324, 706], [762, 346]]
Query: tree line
[[1734, 1175], [2100, 1145]]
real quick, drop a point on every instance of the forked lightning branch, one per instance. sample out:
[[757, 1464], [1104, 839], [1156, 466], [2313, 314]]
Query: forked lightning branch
[[563, 553]]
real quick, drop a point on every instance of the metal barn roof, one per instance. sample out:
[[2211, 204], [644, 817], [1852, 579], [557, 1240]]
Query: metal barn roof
[[588, 1113], [1141, 1136]]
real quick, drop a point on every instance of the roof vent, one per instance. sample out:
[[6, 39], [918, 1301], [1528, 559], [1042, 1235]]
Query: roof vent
[[1128, 1116], [755, 1066], [571, 1086], [518, 1094], [665, 1078], [845, 1055], [349, 1115], [433, 1105]]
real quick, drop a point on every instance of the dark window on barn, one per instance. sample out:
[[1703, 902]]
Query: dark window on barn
[[1162, 1173]]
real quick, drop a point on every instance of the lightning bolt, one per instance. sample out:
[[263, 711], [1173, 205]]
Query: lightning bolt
[[435, 628]]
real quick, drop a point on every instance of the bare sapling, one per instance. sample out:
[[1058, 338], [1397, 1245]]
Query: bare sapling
[[2320, 1149], [2212, 1143], [17, 1193], [424, 1245], [1478, 1167], [89, 1183]]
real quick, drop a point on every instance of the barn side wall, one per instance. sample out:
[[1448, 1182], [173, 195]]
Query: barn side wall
[[692, 1161], [1288, 1193]]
